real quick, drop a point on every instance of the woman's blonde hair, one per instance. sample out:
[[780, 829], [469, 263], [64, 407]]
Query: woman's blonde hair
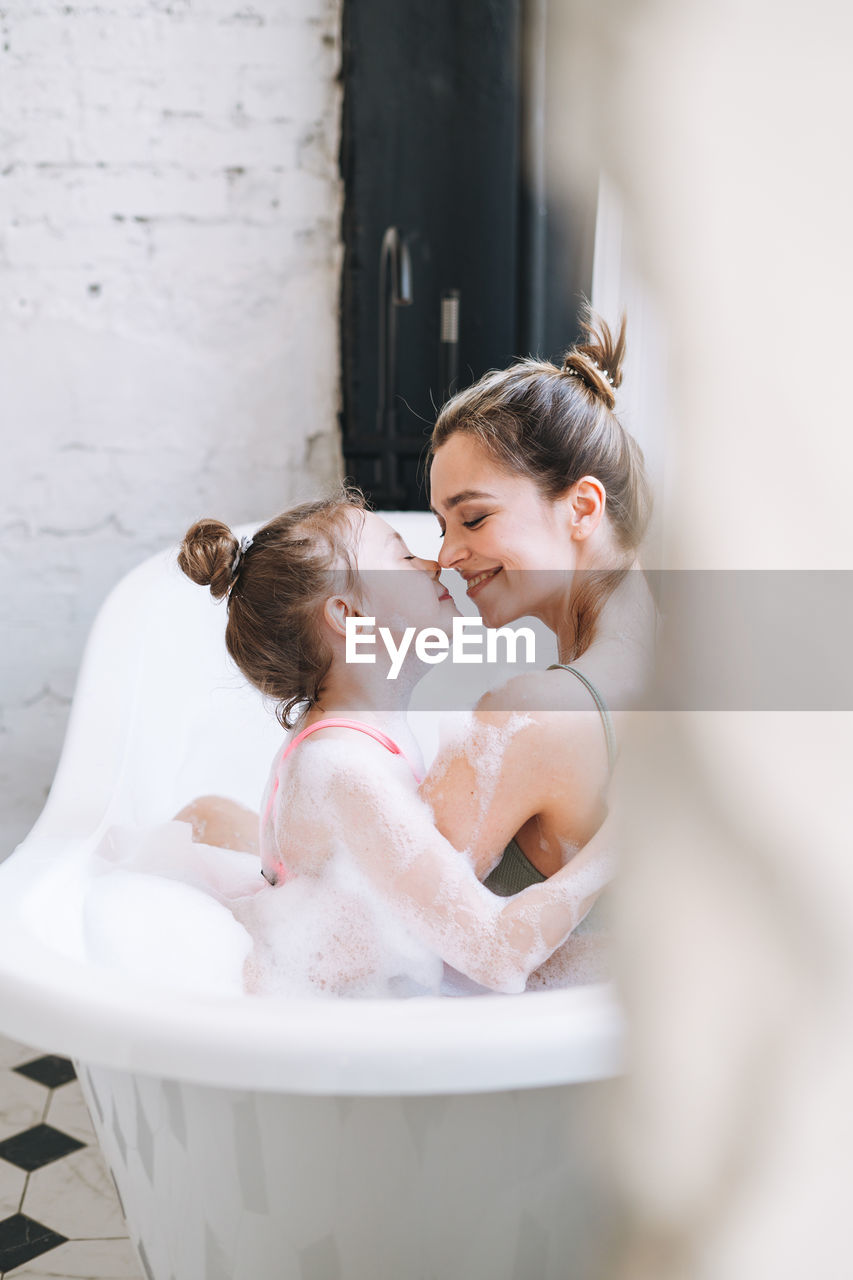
[[555, 425], [275, 590]]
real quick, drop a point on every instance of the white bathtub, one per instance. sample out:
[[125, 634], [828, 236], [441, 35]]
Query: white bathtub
[[421, 1139]]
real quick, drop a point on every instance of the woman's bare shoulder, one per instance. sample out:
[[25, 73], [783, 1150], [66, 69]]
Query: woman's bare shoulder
[[534, 692], [557, 723]]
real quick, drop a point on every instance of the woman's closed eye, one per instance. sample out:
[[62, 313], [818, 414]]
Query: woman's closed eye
[[469, 524]]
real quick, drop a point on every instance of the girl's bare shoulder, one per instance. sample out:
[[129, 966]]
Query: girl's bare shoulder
[[338, 758]]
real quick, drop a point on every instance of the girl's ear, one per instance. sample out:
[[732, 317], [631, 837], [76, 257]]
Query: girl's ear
[[585, 504], [336, 610]]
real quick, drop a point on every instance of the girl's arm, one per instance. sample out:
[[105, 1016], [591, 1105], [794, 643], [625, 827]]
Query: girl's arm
[[218, 821], [390, 833]]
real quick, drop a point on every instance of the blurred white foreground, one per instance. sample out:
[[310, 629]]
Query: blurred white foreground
[[724, 129]]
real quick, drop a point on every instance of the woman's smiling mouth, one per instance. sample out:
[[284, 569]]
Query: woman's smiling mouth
[[478, 580]]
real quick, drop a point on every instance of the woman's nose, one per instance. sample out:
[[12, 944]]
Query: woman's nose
[[450, 553]]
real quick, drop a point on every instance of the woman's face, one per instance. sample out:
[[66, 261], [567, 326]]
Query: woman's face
[[398, 589], [507, 541]]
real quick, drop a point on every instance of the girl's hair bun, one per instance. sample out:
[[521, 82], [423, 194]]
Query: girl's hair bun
[[208, 554], [597, 358]]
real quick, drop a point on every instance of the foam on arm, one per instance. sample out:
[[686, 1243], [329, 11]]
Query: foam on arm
[[498, 942]]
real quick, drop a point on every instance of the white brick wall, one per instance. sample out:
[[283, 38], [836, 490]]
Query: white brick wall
[[169, 273]]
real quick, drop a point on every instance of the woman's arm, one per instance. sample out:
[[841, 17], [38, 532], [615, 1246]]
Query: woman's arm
[[496, 941], [507, 765]]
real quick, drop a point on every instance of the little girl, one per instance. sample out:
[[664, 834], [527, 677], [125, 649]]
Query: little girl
[[366, 897]]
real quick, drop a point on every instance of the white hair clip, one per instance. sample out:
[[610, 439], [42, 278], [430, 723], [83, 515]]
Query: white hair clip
[[239, 556], [605, 375]]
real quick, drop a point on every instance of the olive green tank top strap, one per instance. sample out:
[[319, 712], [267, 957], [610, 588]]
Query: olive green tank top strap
[[513, 873], [602, 708]]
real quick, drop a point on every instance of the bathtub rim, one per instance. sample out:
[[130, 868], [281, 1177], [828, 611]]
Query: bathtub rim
[[424, 1045]]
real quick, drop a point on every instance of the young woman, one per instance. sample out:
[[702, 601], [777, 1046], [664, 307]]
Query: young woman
[[543, 503], [369, 897]]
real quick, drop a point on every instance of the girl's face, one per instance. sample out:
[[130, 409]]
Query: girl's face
[[398, 589], [499, 533]]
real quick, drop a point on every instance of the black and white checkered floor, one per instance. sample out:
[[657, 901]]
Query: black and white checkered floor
[[59, 1212]]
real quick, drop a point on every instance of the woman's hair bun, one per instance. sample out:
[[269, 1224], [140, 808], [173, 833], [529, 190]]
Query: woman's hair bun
[[207, 555], [597, 358]]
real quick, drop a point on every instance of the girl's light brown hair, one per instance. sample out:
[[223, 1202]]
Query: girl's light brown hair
[[555, 425], [275, 593]]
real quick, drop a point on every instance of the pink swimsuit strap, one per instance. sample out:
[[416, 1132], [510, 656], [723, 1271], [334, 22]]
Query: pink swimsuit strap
[[338, 722]]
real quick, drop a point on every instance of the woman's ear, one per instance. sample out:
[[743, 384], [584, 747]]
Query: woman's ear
[[585, 503], [336, 610]]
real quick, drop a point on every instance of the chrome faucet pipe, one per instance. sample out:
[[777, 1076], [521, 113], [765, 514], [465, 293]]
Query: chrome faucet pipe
[[395, 290]]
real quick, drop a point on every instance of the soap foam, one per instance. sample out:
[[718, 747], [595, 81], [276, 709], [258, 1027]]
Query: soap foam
[[348, 919], [330, 934], [156, 908]]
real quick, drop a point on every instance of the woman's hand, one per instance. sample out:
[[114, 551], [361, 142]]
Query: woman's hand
[[484, 785], [518, 757]]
